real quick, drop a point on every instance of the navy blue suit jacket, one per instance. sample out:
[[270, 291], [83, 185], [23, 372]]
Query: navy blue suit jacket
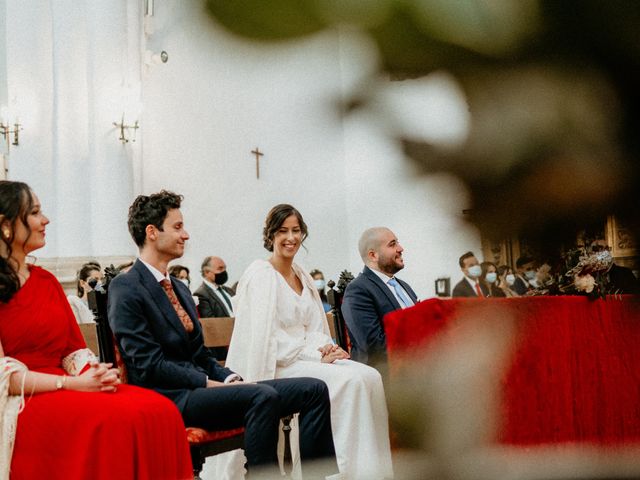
[[366, 301], [157, 350]]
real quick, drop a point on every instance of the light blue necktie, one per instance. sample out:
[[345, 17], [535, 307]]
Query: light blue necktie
[[400, 292]]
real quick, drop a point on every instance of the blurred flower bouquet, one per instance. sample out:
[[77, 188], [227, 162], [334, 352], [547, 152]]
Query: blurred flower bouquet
[[588, 273]]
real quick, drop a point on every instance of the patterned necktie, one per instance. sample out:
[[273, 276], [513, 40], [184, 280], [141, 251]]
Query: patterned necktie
[[182, 314], [479, 290], [404, 301], [226, 299]]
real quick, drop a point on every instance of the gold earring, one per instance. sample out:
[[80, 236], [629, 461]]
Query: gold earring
[[6, 232]]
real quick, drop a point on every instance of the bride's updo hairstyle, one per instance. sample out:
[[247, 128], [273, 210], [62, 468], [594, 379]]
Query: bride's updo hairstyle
[[15, 204], [275, 218]]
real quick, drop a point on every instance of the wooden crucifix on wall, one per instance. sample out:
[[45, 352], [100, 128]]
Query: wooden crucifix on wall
[[258, 154]]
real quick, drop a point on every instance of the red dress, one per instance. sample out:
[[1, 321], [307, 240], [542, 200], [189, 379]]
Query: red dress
[[133, 433]]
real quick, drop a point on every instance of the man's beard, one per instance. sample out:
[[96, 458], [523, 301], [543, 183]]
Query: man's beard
[[390, 267]]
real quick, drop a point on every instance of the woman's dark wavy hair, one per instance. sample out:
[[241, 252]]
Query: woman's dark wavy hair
[[485, 268], [84, 273], [150, 210], [275, 218], [176, 269], [502, 269], [16, 202]]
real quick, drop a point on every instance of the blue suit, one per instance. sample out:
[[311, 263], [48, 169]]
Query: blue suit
[[366, 301], [161, 355]]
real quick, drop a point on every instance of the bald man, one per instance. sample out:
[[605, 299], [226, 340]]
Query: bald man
[[375, 293], [214, 297]]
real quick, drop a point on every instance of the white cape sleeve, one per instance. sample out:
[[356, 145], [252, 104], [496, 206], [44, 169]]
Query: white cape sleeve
[[253, 349]]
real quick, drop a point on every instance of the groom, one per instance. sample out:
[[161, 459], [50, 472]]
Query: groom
[[373, 294], [160, 338]]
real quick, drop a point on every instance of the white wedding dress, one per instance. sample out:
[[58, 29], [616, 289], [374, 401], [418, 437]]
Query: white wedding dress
[[277, 334]]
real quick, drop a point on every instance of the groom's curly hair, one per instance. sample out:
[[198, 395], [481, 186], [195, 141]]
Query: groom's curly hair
[[150, 210]]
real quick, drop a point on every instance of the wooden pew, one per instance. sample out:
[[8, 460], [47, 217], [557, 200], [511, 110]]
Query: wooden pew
[[335, 295], [90, 335], [217, 332], [332, 325]]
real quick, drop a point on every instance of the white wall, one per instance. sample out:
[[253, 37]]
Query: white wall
[[67, 67], [216, 100], [75, 66]]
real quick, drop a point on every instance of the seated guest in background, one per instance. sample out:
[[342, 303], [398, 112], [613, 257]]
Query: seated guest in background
[[181, 273], [70, 424], [506, 279], [373, 294], [318, 280], [281, 331], [544, 281], [622, 279], [489, 278], [215, 298], [525, 273], [470, 285], [88, 276], [157, 331]]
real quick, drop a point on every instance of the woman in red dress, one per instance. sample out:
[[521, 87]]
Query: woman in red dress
[[72, 427]]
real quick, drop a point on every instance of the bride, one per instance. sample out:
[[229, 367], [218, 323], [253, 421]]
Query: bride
[[281, 331]]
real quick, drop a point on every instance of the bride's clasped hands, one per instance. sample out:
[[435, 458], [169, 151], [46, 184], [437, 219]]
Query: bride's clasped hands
[[330, 353]]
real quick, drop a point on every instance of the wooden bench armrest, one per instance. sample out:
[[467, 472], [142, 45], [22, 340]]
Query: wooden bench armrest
[[217, 331], [90, 335]]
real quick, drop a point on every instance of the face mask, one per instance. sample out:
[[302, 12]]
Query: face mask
[[474, 271], [530, 274], [185, 281], [221, 278], [511, 279], [319, 284], [491, 277], [95, 284]]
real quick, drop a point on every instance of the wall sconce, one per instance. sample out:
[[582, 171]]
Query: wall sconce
[[6, 132], [124, 130], [443, 287]]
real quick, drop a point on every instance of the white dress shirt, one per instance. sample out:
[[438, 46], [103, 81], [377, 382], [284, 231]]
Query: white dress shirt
[[215, 287]]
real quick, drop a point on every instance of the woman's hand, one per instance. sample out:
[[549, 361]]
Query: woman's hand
[[330, 353], [326, 349], [100, 377]]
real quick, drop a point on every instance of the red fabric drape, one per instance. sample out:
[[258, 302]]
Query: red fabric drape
[[573, 376]]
